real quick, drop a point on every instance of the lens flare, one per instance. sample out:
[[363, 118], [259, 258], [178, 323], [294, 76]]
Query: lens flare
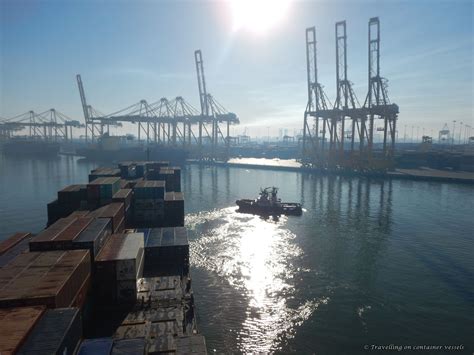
[[258, 16]]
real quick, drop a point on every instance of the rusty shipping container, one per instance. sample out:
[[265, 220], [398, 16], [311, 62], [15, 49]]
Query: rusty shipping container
[[15, 326], [12, 241], [62, 240], [103, 172], [124, 196], [118, 266], [57, 332], [115, 211], [50, 278], [50, 233], [13, 246], [72, 194], [94, 236]]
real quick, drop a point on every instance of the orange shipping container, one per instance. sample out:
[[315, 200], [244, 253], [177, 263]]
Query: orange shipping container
[[51, 278], [11, 241], [15, 325]]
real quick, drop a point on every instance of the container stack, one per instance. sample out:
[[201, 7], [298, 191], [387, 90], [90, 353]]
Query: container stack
[[127, 170], [166, 251], [101, 190], [70, 199], [60, 235], [174, 209], [58, 331], [124, 195], [129, 289], [104, 172], [148, 203], [115, 212], [15, 326], [177, 178], [53, 279], [94, 236], [117, 268], [14, 245]]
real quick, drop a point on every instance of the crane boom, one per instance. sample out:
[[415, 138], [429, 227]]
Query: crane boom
[[83, 98]]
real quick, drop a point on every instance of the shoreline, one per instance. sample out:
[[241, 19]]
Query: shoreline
[[434, 175]]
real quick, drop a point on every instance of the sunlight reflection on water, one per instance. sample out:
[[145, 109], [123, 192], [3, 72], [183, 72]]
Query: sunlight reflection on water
[[255, 257]]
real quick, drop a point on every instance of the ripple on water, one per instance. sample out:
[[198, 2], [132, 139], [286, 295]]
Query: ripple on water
[[255, 257]]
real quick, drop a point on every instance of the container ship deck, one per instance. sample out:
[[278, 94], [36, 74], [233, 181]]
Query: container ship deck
[[109, 274]]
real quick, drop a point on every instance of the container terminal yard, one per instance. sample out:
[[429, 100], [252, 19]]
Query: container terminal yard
[[109, 274]]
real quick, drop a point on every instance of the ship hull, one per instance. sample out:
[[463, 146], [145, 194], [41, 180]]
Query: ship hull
[[173, 155], [31, 148]]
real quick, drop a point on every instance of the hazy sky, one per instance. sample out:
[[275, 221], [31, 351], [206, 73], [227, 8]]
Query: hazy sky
[[254, 56]]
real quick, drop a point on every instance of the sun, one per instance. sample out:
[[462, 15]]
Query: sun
[[258, 16]]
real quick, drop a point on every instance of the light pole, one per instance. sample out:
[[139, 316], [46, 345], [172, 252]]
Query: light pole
[[460, 130], [454, 127], [412, 132]]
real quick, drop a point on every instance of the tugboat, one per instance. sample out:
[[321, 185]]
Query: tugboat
[[269, 204]]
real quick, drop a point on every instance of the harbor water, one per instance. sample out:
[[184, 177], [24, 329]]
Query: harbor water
[[371, 262]]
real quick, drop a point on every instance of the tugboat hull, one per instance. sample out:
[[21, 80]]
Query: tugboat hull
[[286, 208]]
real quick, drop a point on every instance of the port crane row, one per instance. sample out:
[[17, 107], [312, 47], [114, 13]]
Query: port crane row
[[325, 140], [324, 126], [173, 122], [49, 125]]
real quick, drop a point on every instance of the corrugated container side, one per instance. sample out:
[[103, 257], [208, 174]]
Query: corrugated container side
[[174, 209], [22, 247], [12, 241], [94, 236], [74, 230], [82, 293], [57, 332], [191, 344], [99, 346], [129, 347], [15, 326], [45, 278], [124, 196], [118, 266]]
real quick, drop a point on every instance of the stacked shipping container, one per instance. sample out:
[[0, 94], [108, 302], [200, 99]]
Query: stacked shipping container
[[51, 278], [84, 246], [118, 266]]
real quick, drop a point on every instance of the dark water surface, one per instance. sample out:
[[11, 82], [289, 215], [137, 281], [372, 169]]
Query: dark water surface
[[370, 262]]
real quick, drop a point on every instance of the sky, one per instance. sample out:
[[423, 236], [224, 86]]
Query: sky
[[253, 53]]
